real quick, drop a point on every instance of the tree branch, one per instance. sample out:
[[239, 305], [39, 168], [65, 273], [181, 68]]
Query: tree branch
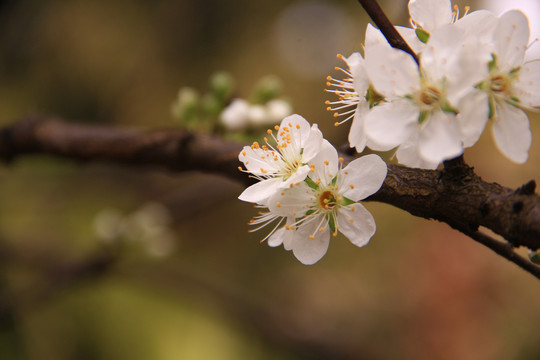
[[454, 195]]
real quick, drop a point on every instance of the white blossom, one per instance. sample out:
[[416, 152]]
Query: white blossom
[[325, 204], [282, 165], [236, 116]]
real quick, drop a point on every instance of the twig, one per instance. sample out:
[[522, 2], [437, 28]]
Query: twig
[[387, 28]]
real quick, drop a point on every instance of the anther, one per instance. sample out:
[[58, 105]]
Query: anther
[[268, 131], [336, 124], [341, 160], [278, 204]]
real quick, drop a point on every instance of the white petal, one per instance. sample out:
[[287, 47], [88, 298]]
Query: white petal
[[260, 192], [408, 155], [472, 117], [440, 138], [527, 87], [390, 124], [326, 163], [431, 14], [308, 250], [258, 161], [357, 225], [299, 127], [276, 238], [357, 135], [511, 39], [480, 24], [373, 37], [312, 145], [291, 202], [357, 68], [366, 175], [282, 236], [299, 175], [393, 72], [410, 37], [512, 133]]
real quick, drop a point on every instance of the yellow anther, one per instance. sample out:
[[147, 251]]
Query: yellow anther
[[351, 186], [336, 115], [327, 102], [351, 219], [318, 181], [276, 127], [326, 162], [329, 108], [339, 56], [352, 208], [311, 237], [278, 204], [321, 229], [240, 168], [263, 171], [341, 160], [298, 126], [268, 131], [243, 153], [336, 124], [294, 213]]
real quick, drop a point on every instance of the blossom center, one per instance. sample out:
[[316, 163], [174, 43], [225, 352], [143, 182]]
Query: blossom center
[[500, 84], [327, 200], [430, 96]]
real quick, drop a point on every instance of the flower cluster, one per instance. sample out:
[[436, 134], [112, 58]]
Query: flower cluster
[[471, 71], [304, 191]]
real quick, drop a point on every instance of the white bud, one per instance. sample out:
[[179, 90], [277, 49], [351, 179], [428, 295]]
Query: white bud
[[235, 116]]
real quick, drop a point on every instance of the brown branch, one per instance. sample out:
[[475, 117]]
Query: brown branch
[[380, 19], [454, 195]]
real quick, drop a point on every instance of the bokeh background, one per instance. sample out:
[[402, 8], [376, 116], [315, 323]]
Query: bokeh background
[[190, 282]]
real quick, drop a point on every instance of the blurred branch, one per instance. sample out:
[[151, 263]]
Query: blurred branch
[[454, 195]]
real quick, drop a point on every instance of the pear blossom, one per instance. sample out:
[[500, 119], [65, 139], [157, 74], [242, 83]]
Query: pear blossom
[[283, 165], [510, 86], [355, 92], [422, 103], [323, 205]]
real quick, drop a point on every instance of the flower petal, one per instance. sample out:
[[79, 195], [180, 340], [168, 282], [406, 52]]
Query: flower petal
[[431, 14], [257, 161], [325, 163], [357, 135], [512, 133], [299, 175], [282, 236], [363, 177], [312, 144], [390, 124], [527, 87], [356, 223], [440, 138], [410, 37], [291, 202], [511, 39], [393, 72], [308, 250], [298, 126], [473, 117], [408, 155], [260, 192], [357, 68]]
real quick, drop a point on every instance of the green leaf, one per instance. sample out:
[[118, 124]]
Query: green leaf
[[422, 35]]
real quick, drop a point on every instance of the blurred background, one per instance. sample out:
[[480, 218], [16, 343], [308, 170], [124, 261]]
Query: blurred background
[[99, 261]]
